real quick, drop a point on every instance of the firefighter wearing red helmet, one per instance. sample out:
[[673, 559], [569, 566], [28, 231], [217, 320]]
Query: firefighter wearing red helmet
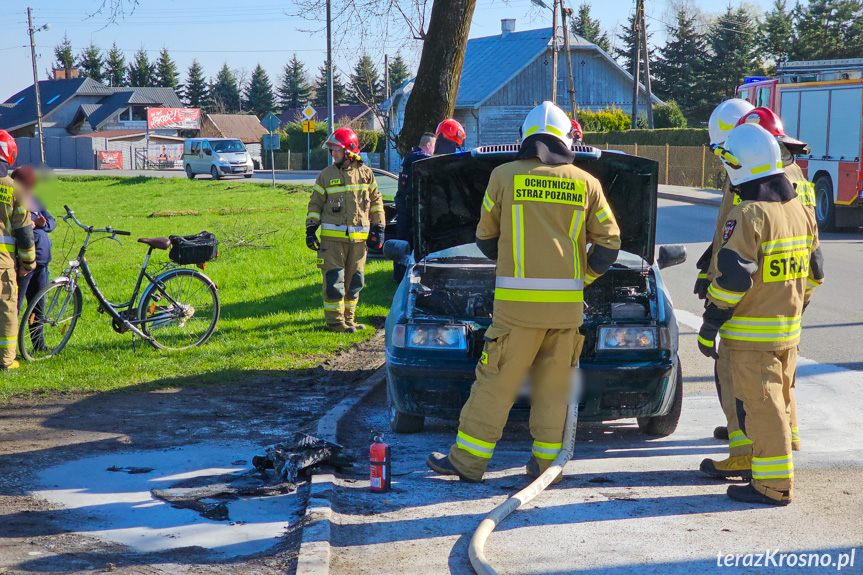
[[450, 136], [577, 132], [349, 209], [16, 237]]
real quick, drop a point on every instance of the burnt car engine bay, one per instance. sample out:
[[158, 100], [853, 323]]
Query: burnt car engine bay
[[461, 290]]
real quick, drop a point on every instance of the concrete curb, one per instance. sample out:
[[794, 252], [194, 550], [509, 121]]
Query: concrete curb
[[690, 199], [314, 554]]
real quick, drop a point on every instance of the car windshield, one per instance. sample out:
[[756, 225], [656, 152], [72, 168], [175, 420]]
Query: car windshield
[[228, 146]]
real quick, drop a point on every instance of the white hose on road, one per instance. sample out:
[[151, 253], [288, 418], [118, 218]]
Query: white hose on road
[[502, 511]]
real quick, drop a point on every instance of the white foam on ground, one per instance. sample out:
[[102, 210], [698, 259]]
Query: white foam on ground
[[118, 507]]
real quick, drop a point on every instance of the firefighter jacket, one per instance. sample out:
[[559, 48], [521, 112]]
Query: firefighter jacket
[[16, 228], [544, 216], [805, 193], [767, 265], [346, 202]]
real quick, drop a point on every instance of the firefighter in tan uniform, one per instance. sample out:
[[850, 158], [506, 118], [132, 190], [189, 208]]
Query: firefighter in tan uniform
[[767, 265], [16, 237], [739, 446], [538, 215], [349, 209]]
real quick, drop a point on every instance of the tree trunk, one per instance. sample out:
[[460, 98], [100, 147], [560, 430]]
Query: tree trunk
[[432, 98]]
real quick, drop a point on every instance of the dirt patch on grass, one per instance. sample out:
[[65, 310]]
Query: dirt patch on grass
[[218, 212], [43, 432]]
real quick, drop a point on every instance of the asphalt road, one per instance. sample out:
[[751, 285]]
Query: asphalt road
[[628, 503], [288, 178]]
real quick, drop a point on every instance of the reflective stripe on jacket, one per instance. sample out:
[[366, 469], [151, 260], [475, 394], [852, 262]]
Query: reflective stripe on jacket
[[346, 202], [544, 216]]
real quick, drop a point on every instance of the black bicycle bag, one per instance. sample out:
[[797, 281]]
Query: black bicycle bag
[[197, 249]]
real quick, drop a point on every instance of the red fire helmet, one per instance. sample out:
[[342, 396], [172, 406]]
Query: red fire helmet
[[8, 148], [577, 132], [451, 130], [767, 119], [346, 139]]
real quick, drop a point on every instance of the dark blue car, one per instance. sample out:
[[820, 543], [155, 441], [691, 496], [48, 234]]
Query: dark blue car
[[435, 328]]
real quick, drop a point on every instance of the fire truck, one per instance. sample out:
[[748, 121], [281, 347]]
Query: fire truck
[[821, 103]]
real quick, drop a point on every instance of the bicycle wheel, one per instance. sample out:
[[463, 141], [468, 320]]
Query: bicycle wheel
[[179, 310], [49, 321]]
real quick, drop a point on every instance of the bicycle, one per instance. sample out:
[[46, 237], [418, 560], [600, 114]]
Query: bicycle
[[177, 310]]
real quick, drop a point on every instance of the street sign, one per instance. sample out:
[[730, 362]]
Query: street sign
[[271, 141], [309, 112], [308, 126], [270, 122]]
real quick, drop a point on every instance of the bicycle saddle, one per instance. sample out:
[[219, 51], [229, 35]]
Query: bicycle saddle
[[156, 243]]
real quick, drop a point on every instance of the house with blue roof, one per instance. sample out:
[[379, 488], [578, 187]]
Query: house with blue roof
[[505, 76]]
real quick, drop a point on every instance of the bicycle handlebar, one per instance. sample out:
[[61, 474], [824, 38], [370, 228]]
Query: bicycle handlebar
[[90, 229]]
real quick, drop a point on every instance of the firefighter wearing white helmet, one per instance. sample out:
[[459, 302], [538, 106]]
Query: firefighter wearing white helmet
[[538, 215], [767, 266], [724, 117]]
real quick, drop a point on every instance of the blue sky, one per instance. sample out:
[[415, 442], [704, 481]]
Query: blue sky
[[247, 32]]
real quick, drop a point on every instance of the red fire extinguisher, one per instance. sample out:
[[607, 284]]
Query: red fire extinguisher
[[380, 465]]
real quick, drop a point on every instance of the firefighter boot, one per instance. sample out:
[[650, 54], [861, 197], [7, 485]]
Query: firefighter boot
[[341, 328], [13, 365], [350, 315], [720, 433], [440, 464], [748, 494], [735, 466], [533, 471]]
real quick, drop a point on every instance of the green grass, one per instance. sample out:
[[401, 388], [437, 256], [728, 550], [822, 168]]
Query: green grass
[[272, 317]]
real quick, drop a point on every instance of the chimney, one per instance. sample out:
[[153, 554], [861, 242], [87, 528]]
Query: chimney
[[507, 26], [65, 74]]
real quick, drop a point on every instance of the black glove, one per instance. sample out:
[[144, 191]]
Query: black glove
[[713, 319], [701, 285], [375, 240], [311, 239]]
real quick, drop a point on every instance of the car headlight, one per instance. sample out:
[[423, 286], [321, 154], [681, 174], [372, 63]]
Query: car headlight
[[430, 336], [627, 338], [222, 160]]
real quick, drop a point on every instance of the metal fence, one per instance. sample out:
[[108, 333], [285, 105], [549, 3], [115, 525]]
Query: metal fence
[[680, 165]]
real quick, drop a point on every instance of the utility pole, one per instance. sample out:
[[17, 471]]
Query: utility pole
[[554, 53], [389, 107], [564, 13], [330, 104], [32, 31], [636, 61], [646, 69]]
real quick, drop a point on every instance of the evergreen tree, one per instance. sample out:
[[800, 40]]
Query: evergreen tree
[[63, 54], [166, 71], [339, 91], [115, 67], [776, 32], [680, 67], [141, 71], [294, 89], [589, 28], [399, 72], [90, 62], [365, 82], [732, 40], [626, 54], [195, 89], [828, 29], [259, 96], [224, 92]]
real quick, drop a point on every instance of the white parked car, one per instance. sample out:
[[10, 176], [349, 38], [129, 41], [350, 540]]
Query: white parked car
[[216, 156]]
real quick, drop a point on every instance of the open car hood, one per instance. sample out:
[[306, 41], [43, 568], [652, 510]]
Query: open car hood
[[448, 192]]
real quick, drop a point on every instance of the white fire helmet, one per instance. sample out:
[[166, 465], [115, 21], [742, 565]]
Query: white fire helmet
[[750, 153], [548, 119], [725, 116]]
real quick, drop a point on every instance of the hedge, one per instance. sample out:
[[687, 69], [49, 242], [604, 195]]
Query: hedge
[[612, 119], [291, 137], [670, 136]]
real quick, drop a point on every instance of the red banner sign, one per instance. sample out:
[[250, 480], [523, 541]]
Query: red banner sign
[[109, 160], [174, 118]]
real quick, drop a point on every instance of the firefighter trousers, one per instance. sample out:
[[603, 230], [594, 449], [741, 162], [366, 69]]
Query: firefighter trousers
[[762, 383], [511, 353], [343, 267], [8, 316], [738, 443]]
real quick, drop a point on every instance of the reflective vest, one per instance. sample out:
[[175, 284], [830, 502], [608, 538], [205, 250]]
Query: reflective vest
[[346, 202], [544, 217], [13, 215], [772, 245]]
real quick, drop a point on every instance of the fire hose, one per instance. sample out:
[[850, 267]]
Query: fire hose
[[502, 511]]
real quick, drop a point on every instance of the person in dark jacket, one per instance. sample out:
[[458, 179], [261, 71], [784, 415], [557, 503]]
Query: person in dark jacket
[[29, 283], [404, 201]]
